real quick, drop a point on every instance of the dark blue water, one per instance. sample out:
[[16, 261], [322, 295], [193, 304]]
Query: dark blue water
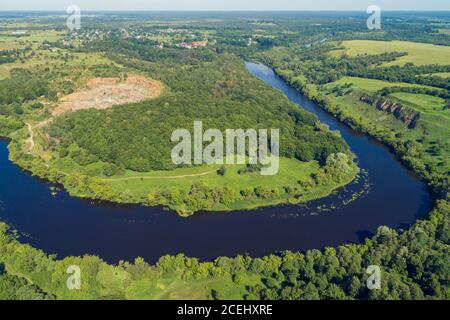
[[63, 225]]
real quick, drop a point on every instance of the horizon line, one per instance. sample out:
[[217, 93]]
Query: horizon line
[[231, 10]]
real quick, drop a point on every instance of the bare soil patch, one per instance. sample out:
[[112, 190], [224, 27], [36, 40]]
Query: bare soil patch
[[103, 93]]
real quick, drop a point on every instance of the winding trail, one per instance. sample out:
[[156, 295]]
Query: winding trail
[[30, 139], [158, 178], [12, 272]]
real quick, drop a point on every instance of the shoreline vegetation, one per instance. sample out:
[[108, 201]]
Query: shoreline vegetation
[[298, 183], [414, 261], [212, 188], [331, 274], [395, 138]]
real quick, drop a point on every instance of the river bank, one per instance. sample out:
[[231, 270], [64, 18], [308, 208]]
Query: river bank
[[388, 194], [436, 182]]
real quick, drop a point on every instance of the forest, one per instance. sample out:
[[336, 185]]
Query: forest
[[221, 90]]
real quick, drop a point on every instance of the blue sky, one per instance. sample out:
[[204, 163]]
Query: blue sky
[[224, 4]]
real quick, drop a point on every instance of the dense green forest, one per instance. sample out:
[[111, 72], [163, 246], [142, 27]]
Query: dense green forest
[[220, 92]]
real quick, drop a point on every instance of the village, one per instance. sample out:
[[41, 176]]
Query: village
[[156, 36]]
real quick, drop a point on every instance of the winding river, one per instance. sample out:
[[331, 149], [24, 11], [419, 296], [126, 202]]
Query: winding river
[[388, 194]]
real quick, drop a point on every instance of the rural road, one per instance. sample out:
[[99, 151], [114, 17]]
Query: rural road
[[30, 140], [158, 178]]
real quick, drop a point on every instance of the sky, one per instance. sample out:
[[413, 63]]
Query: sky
[[213, 5]]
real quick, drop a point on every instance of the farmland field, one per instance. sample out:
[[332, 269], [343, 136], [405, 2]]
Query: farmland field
[[442, 74], [418, 53], [372, 85]]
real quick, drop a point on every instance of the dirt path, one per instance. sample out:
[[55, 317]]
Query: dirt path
[[17, 274], [30, 139], [164, 178]]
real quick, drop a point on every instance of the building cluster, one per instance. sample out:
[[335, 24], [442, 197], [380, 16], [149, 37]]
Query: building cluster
[[192, 45]]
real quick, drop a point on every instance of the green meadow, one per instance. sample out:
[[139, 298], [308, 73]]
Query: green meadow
[[372, 85], [434, 123], [178, 289], [418, 53], [432, 113], [442, 74], [444, 31], [292, 174]]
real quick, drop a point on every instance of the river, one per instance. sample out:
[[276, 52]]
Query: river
[[60, 224]]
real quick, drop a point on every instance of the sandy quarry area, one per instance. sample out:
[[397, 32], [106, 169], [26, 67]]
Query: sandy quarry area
[[103, 93]]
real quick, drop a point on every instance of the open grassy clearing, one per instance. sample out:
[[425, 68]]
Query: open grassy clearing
[[442, 74], [367, 114], [434, 123], [48, 58], [431, 108], [371, 85], [432, 112], [424, 102], [9, 41], [292, 173], [444, 31], [418, 53], [178, 289], [41, 56]]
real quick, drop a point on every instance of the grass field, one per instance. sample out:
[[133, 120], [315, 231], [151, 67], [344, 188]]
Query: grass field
[[442, 74], [418, 53], [291, 172], [371, 85], [9, 41], [431, 110], [433, 129], [48, 58], [43, 57], [444, 31], [177, 289], [425, 103]]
